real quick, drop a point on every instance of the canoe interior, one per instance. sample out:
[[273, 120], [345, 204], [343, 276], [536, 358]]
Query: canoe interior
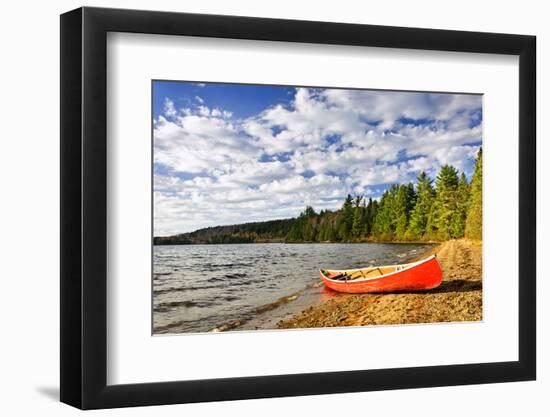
[[363, 273]]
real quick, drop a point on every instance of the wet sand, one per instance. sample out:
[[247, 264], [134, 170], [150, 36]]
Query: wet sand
[[458, 298]]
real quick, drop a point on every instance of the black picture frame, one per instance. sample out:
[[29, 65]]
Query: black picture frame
[[84, 207]]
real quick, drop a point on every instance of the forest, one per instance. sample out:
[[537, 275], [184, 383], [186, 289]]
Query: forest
[[447, 207]]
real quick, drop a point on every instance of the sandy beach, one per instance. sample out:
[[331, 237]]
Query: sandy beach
[[458, 298]]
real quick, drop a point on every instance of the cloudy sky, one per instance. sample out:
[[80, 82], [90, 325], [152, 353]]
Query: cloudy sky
[[230, 153]]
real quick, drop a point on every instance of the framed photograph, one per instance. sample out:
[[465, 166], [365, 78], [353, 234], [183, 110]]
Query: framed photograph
[[257, 208]]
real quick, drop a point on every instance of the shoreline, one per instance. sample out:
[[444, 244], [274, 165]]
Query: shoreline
[[382, 242], [458, 298], [267, 317]]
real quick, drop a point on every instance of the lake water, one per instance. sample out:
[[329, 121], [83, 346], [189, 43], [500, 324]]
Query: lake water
[[199, 288]]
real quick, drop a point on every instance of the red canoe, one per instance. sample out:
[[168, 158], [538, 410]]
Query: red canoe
[[416, 276]]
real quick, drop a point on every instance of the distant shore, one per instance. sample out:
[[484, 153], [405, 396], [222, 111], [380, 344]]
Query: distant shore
[[458, 298]]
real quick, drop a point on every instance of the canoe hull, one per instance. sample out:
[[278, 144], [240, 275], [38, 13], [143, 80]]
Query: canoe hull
[[419, 277]]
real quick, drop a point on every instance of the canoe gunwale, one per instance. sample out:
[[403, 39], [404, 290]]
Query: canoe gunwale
[[397, 271]]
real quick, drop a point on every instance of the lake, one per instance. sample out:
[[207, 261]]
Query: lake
[[199, 288]]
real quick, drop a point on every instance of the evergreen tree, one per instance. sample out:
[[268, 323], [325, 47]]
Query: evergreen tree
[[445, 202], [331, 230], [401, 208], [411, 197], [384, 222], [308, 233], [358, 224], [475, 209], [345, 220], [309, 212], [372, 208], [322, 236], [424, 200], [461, 209], [302, 229], [296, 232]]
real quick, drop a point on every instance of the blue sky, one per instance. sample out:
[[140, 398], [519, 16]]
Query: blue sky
[[233, 153], [242, 100]]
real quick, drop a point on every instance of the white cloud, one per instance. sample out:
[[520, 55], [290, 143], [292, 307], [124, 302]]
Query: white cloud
[[200, 144], [459, 156], [323, 145], [169, 108], [204, 111]]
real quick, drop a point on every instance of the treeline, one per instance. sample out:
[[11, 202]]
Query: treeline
[[450, 207], [269, 231]]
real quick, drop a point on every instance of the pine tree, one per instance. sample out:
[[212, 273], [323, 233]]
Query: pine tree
[[322, 235], [379, 220], [296, 232], [345, 221], [445, 202], [475, 209], [331, 230], [308, 232], [358, 217], [385, 220], [461, 210], [302, 228], [401, 208], [309, 212], [424, 200], [372, 209]]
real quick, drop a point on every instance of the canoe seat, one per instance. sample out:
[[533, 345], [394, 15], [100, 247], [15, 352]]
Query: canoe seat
[[367, 274], [376, 271], [370, 273]]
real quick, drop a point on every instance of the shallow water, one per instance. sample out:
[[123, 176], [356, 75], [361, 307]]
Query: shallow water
[[198, 288]]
